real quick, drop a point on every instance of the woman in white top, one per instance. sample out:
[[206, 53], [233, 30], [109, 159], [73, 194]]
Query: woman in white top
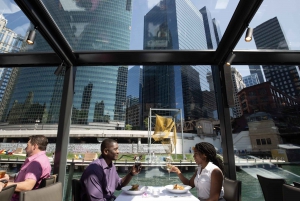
[[208, 179]]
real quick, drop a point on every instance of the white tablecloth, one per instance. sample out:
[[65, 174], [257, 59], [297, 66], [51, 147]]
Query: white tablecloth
[[164, 195]]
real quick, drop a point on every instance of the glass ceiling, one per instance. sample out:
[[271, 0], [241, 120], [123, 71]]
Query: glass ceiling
[[105, 25]]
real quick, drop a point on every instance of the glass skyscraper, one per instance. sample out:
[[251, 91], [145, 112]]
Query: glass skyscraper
[[269, 35], [175, 24], [99, 92]]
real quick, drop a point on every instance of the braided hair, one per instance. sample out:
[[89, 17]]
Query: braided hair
[[211, 154]]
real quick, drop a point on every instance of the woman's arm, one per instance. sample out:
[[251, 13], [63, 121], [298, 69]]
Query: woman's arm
[[215, 185], [184, 180]]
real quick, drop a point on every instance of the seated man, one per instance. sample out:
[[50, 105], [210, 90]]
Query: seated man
[[35, 168], [100, 179]]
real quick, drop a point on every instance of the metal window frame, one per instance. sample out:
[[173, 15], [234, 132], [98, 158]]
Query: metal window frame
[[40, 17]]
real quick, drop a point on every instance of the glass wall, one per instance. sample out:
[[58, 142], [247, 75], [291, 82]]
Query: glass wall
[[115, 101]]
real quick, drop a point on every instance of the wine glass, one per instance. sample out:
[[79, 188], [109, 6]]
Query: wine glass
[[169, 167], [137, 165]]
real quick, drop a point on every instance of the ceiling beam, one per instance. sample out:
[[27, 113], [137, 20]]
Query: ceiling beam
[[239, 22], [40, 18], [243, 57]]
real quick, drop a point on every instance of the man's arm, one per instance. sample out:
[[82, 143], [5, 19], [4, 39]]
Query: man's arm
[[93, 185], [26, 185], [134, 171]]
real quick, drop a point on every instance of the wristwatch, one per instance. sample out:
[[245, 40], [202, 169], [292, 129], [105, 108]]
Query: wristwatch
[[5, 182]]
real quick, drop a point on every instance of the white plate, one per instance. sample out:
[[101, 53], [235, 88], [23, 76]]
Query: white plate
[[141, 190], [185, 190]]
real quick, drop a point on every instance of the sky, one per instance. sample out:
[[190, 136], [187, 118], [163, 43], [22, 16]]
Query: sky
[[286, 11]]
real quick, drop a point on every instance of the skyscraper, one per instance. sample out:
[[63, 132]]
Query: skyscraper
[[251, 80], [175, 24], [269, 35], [255, 69], [238, 85], [99, 91]]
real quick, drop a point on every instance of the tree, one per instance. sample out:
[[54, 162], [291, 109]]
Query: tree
[[146, 123], [128, 127]]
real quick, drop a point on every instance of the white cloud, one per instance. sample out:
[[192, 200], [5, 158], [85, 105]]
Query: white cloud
[[22, 29], [152, 3], [221, 4], [8, 6]]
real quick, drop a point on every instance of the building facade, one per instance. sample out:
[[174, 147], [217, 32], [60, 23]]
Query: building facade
[[99, 92], [238, 85], [168, 26], [269, 35], [251, 80], [264, 97]]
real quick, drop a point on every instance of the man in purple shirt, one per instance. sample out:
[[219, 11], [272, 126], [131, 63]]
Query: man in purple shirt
[[35, 168], [100, 179]]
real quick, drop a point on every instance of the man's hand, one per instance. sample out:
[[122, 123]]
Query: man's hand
[[6, 177], [136, 170]]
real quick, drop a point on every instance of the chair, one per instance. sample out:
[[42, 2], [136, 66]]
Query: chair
[[296, 184], [290, 193], [49, 193], [232, 190], [76, 189], [47, 181], [271, 188], [7, 192]]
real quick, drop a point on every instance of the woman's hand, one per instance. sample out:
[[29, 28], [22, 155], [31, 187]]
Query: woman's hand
[[175, 169]]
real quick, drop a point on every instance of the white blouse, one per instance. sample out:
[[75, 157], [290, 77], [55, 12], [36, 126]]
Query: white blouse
[[202, 181]]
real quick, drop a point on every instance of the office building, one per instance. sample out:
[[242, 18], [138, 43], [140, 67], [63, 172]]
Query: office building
[[171, 87], [99, 92], [238, 85], [256, 69], [251, 80], [269, 35]]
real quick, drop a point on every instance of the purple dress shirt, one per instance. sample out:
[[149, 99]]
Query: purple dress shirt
[[36, 167], [99, 181]]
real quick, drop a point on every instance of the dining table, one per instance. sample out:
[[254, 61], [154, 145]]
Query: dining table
[[157, 193]]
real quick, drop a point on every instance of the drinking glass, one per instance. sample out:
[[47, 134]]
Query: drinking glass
[[137, 165], [169, 166], [2, 173]]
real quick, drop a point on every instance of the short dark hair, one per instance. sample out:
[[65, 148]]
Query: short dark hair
[[106, 143], [40, 140]]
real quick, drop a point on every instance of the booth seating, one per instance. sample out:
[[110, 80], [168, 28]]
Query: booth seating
[[290, 193], [53, 192], [90, 156], [271, 188], [76, 189], [18, 151], [7, 192], [296, 184], [48, 181], [232, 190]]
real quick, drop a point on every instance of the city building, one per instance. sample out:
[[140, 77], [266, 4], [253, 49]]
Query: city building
[[264, 97], [9, 40], [269, 35], [256, 69], [177, 86], [251, 80], [99, 92], [133, 97], [238, 85]]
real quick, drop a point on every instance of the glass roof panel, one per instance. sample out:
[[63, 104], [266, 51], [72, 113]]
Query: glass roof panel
[[14, 29], [91, 25], [275, 27]]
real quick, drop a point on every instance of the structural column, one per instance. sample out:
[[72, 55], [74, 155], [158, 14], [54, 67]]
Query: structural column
[[62, 140]]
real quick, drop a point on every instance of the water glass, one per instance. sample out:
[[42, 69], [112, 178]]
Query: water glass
[[155, 192], [2, 173]]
